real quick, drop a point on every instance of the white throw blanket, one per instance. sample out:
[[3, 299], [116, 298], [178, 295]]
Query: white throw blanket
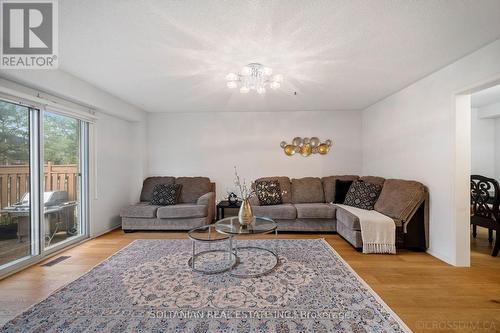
[[377, 230]]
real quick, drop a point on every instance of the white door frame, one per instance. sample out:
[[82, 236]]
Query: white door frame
[[462, 171]]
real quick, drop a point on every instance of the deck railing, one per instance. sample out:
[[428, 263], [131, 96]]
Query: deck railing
[[14, 181]]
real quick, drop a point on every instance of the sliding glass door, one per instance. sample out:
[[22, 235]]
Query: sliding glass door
[[15, 214], [45, 153], [62, 151]]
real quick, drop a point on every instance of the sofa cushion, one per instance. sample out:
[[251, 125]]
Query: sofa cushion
[[315, 211], [182, 211], [341, 189], [329, 185], [150, 182], [307, 190], [280, 212], [285, 185], [142, 210], [164, 195], [193, 188], [373, 180], [351, 236], [350, 220], [362, 195], [268, 192], [399, 198]]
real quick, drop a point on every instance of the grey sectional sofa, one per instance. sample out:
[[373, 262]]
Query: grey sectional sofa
[[308, 207], [196, 206]]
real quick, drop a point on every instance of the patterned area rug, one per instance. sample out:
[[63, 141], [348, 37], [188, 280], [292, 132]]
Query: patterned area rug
[[148, 287]]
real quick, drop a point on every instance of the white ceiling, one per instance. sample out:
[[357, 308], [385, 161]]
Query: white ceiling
[[486, 97], [171, 56]]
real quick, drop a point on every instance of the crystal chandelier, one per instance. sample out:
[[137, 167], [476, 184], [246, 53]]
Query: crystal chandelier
[[256, 77]]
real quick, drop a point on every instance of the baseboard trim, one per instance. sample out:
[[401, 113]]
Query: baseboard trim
[[441, 257], [105, 231]]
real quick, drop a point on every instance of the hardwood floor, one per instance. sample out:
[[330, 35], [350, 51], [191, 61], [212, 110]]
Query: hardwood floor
[[429, 295]]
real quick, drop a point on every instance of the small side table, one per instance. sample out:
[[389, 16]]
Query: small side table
[[223, 205], [260, 225], [207, 234]]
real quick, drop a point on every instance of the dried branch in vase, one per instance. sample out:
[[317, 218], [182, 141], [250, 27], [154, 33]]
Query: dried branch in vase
[[246, 191]]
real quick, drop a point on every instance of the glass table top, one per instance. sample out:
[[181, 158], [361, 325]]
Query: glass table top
[[231, 226], [207, 233]]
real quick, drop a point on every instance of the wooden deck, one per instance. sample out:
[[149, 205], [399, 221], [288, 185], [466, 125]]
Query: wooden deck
[[12, 249], [429, 295]]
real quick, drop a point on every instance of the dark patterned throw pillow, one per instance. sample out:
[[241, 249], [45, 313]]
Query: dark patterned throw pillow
[[164, 195], [268, 192], [362, 195]]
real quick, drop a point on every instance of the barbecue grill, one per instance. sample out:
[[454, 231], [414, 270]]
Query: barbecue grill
[[59, 215]]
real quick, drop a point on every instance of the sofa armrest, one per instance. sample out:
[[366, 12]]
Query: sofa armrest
[[208, 199]]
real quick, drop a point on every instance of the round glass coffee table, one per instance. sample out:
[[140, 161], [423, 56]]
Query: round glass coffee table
[[211, 261], [253, 261]]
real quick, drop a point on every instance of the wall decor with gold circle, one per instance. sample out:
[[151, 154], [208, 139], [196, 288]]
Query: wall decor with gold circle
[[306, 146]]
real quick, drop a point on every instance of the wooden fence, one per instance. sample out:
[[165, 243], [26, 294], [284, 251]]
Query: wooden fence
[[14, 181]]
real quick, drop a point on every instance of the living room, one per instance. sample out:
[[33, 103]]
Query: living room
[[246, 166]]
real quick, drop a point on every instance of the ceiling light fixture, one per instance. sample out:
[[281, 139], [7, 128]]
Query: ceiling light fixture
[[254, 76]]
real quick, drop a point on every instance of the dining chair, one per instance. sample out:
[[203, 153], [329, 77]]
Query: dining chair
[[485, 202]]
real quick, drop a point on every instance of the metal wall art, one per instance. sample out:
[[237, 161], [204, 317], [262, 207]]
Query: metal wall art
[[306, 146]]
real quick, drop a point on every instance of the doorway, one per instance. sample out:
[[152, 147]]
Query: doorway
[[485, 170]]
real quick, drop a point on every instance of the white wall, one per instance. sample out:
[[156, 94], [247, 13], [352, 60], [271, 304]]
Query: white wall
[[482, 145], [411, 135], [210, 144], [486, 140], [118, 170], [490, 111]]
